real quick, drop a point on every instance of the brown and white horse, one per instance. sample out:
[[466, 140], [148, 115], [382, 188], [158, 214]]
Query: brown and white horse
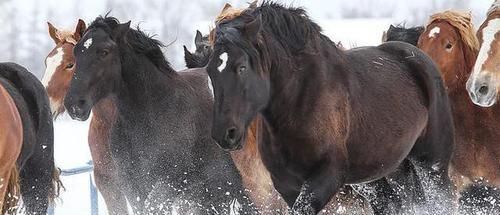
[[484, 82], [449, 39], [11, 141], [57, 78]]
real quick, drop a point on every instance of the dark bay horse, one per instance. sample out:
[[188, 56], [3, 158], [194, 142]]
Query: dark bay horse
[[11, 141], [160, 140], [330, 117], [202, 53], [60, 65], [450, 40], [403, 34], [38, 177]]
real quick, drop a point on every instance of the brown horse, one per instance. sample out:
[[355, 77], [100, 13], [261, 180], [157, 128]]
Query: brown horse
[[256, 177], [450, 40], [484, 83], [57, 78], [330, 117], [11, 141]]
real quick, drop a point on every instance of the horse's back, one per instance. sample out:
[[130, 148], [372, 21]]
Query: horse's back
[[397, 89]]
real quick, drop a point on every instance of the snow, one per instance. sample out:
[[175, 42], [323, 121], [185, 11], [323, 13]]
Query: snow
[[71, 150]]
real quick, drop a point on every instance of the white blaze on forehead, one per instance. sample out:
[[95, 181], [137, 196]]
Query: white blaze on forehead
[[87, 43], [488, 37], [434, 31], [223, 57], [52, 63]]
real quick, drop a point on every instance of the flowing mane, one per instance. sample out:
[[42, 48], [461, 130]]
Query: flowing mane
[[137, 40], [462, 22], [290, 28]]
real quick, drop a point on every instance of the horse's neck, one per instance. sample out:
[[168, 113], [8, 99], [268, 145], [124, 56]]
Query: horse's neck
[[300, 87], [142, 81]]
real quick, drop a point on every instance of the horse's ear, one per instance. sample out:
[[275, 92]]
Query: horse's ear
[[253, 5], [188, 58], [79, 30], [198, 39], [391, 27], [252, 28], [227, 6], [121, 30], [53, 32], [384, 36]]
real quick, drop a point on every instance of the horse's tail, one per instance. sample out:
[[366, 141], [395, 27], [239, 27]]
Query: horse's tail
[[12, 195], [56, 185]]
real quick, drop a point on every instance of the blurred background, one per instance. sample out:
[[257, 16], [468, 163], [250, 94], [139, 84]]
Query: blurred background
[[24, 38]]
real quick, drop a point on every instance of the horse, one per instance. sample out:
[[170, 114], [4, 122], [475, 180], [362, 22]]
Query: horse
[[160, 140], [60, 66], [11, 141], [38, 177], [330, 117], [203, 50], [483, 83], [449, 39], [403, 34]]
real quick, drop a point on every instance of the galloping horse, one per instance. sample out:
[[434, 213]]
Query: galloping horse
[[60, 65], [38, 177], [160, 140], [484, 82], [329, 117], [11, 141], [450, 40], [202, 53]]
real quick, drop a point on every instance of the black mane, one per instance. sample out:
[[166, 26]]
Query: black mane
[[401, 33], [137, 40], [290, 28]]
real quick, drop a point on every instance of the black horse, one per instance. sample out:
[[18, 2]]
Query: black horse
[[39, 178], [331, 117], [202, 53], [160, 141], [403, 34]]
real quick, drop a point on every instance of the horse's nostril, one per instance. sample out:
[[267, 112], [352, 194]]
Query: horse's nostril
[[230, 134], [483, 90], [81, 102]]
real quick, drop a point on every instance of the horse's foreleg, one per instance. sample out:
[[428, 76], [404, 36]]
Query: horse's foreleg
[[318, 189], [406, 184], [104, 170], [380, 195]]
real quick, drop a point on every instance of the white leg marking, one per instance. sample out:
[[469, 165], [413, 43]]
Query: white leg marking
[[52, 63], [434, 31], [223, 57]]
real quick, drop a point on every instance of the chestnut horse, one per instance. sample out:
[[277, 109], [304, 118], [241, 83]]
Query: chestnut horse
[[330, 117], [484, 82], [11, 141], [38, 177], [450, 40], [60, 65]]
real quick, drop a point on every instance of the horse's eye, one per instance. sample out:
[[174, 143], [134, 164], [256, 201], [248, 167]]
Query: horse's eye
[[242, 69], [448, 46], [104, 52], [69, 66], [206, 47]]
